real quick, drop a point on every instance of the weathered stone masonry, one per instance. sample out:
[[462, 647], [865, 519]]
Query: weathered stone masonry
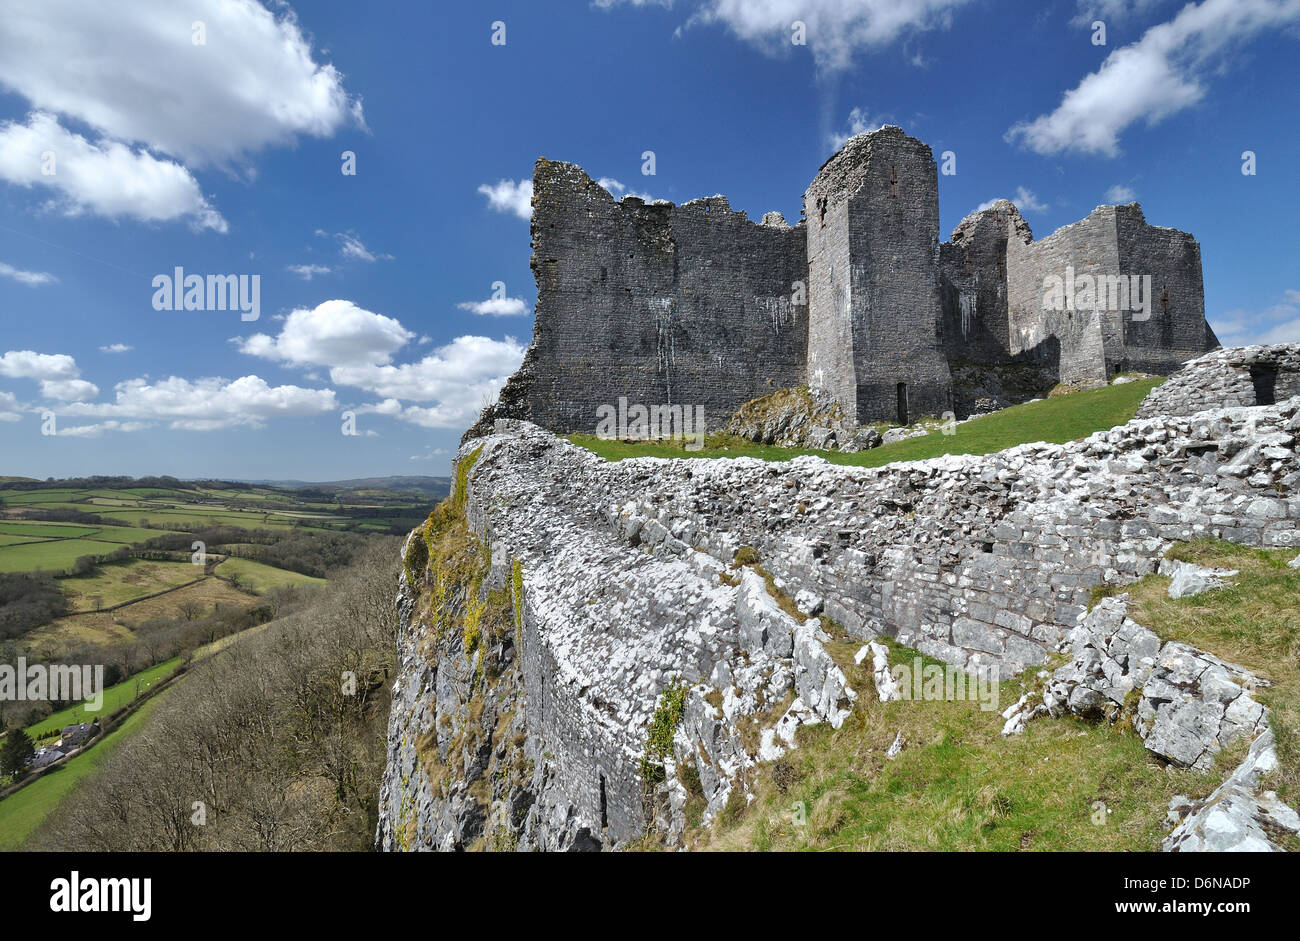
[[973, 560], [662, 304], [699, 306]]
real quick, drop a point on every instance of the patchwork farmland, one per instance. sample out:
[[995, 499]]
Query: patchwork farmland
[[147, 581]]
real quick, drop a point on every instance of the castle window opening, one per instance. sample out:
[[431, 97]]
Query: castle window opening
[[902, 404], [1264, 378], [604, 805]]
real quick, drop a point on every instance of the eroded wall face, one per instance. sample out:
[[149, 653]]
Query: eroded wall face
[[974, 324], [877, 202], [1172, 329], [1071, 340], [691, 305], [830, 290], [1146, 310]]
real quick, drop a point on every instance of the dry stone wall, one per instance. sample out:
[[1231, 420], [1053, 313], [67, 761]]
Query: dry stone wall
[[1235, 376]]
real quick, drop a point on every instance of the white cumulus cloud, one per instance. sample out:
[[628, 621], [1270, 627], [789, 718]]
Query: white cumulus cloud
[[859, 122], [497, 307], [458, 378], [104, 177], [134, 72], [1161, 74], [1025, 201], [57, 373], [307, 272], [510, 196], [836, 29], [207, 404], [334, 333]]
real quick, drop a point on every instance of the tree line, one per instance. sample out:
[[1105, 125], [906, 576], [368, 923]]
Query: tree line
[[276, 743]]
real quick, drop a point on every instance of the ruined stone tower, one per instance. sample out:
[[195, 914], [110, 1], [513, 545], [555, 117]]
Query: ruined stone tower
[[698, 306], [872, 216]]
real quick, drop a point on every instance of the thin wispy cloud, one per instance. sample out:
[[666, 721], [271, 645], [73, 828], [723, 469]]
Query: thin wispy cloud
[[30, 278]]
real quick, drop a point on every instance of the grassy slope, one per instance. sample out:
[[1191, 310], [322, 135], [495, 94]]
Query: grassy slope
[[1059, 419], [115, 697], [22, 812], [259, 577], [1254, 622], [53, 556], [957, 784], [125, 581]]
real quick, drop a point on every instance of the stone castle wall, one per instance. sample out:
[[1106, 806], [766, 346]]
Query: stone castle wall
[[1233, 377], [873, 234], [693, 305], [973, 284], [974, 560], [1176, 330], [696, 305]]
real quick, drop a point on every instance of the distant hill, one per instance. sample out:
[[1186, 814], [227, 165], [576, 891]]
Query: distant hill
[[425, 486]]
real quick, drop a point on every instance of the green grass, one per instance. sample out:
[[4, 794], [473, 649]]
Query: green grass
[[125, 581], [22, 812], [53, 556], [7, 540], [47, 530], [1056, 420], [957, 784], [129, 535], [1254, 622], [260, 577], [115, 697]]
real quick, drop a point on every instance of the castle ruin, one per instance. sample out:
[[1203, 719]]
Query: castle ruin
[[695, 304]]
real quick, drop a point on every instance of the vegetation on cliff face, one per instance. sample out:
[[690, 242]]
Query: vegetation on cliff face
[[472, 629], [1057, 420]]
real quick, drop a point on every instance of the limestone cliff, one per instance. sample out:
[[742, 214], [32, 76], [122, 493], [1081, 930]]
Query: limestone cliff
[[601, 661]]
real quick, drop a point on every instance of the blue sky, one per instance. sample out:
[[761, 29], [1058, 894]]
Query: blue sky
[[224, 157]]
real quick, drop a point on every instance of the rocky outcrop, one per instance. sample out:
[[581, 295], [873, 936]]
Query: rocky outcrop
[[1187, 580], [800, 418], [1237, 817], [628, 588], [1185, 704]]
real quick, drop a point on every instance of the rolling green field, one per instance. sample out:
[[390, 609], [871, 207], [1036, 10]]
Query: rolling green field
[[125, 581], [115, 697], [1055, 420], [22, 812], [259, 577], [53, 556], [47, 530]]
